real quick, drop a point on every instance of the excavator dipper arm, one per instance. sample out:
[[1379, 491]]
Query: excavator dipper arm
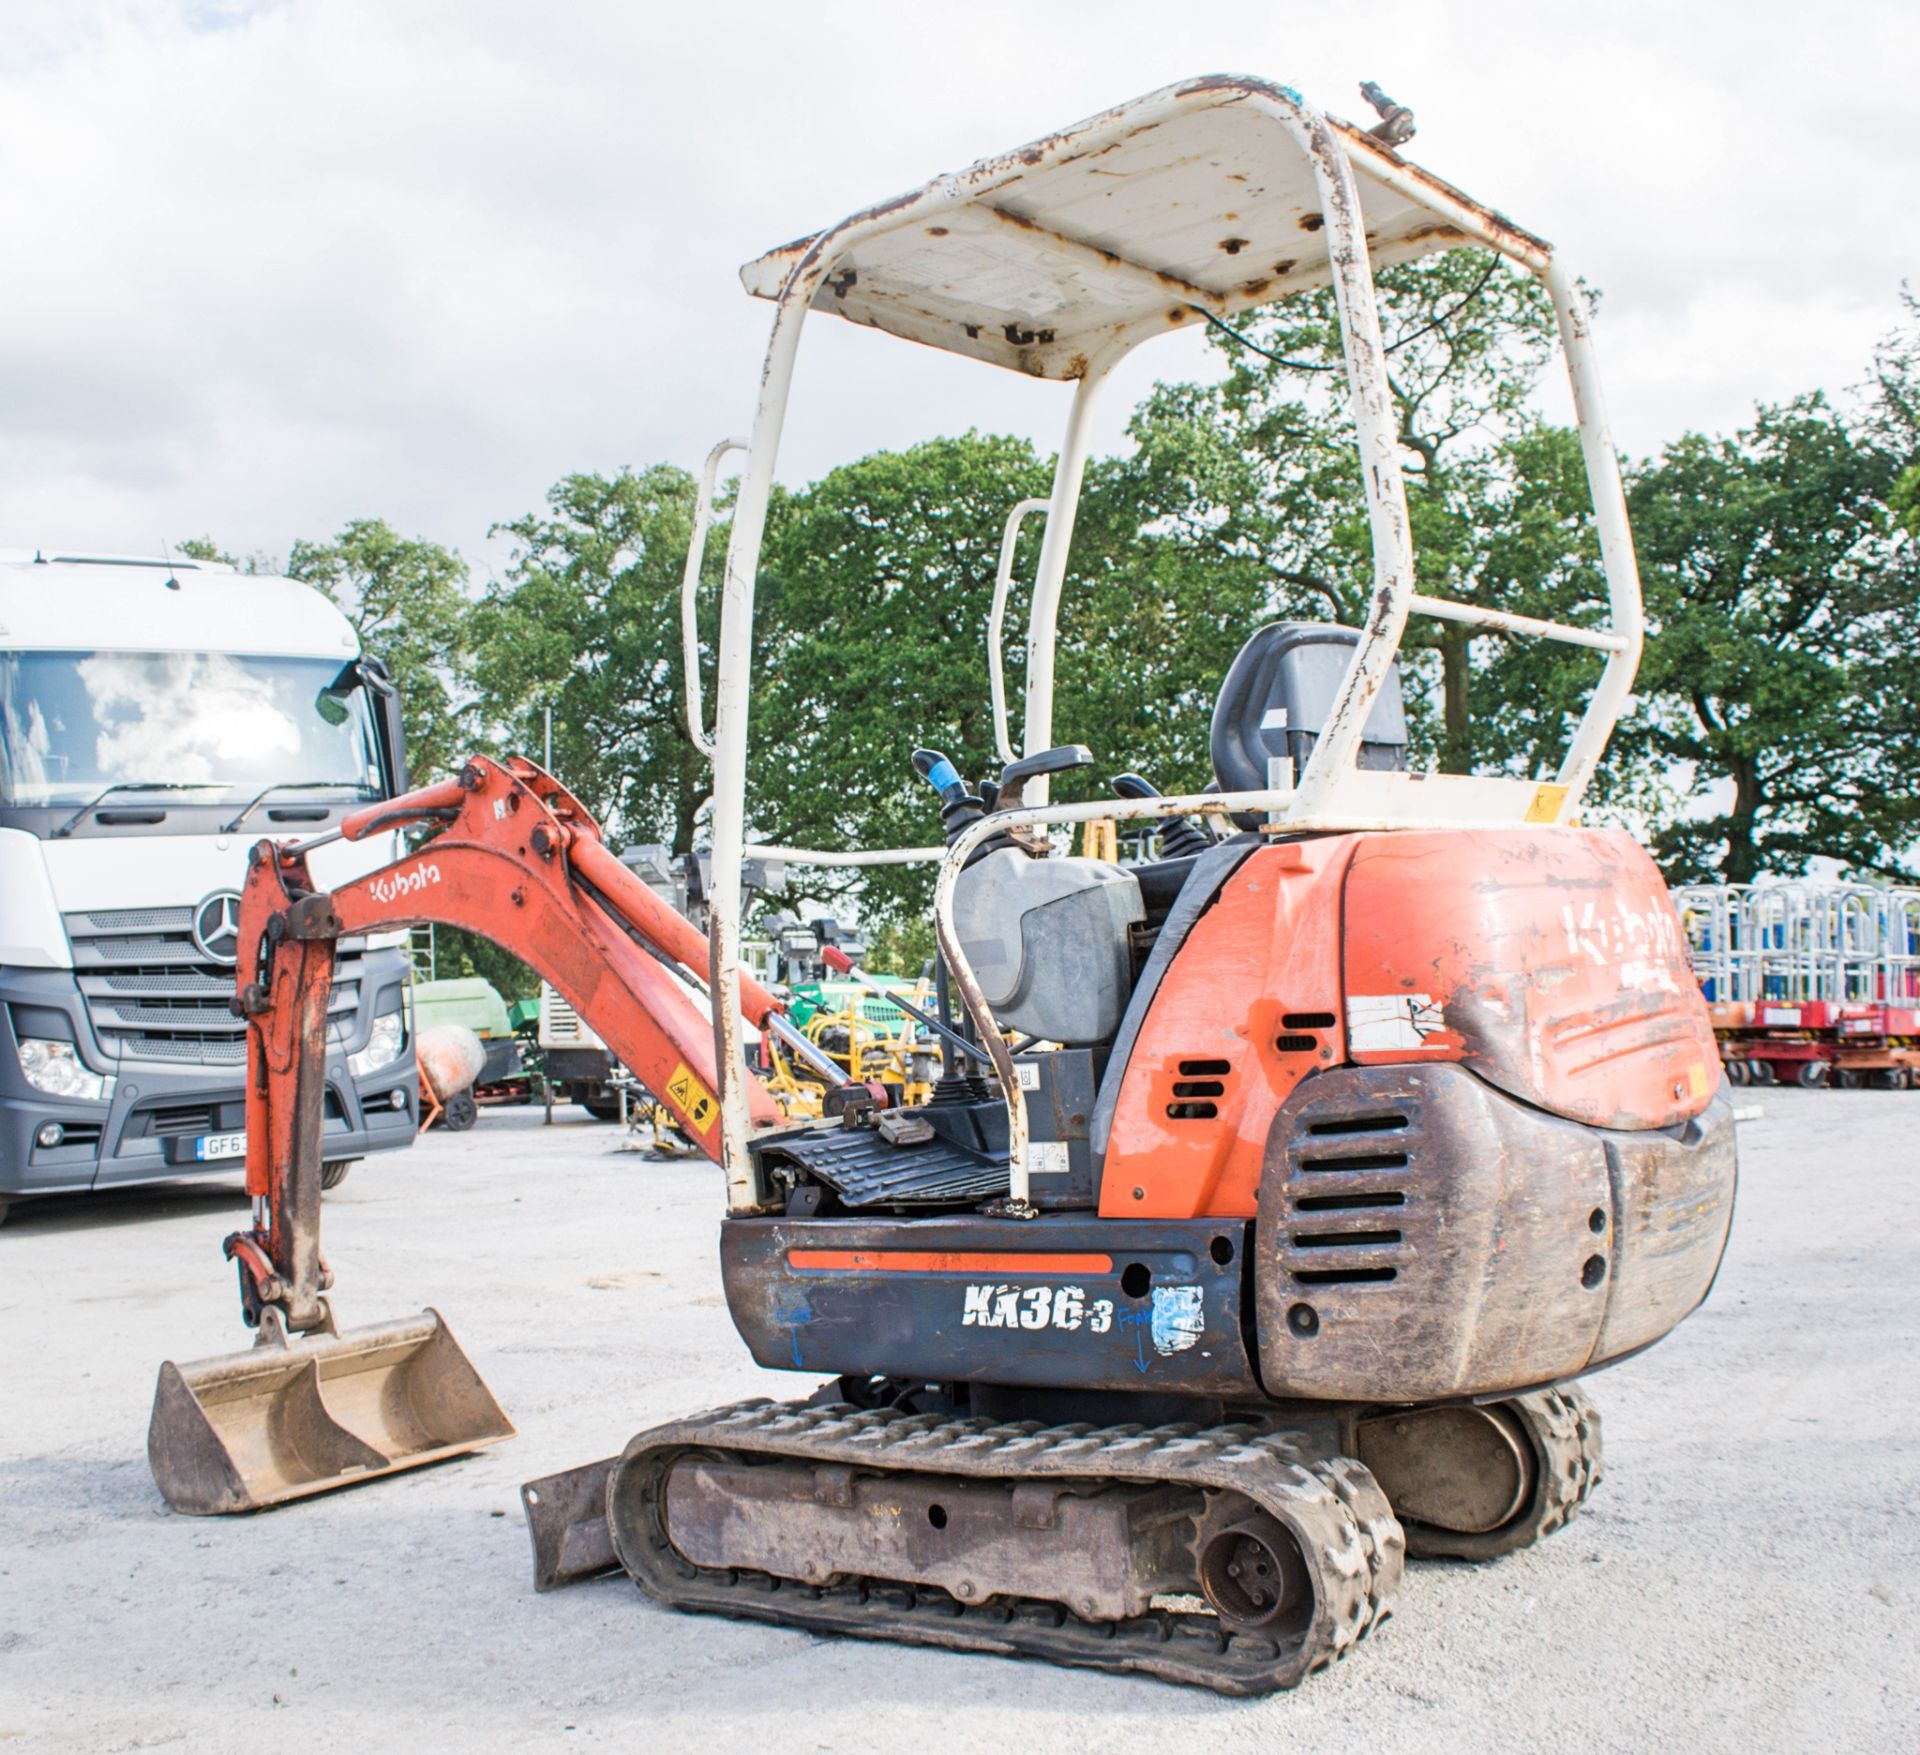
[[518, 861]]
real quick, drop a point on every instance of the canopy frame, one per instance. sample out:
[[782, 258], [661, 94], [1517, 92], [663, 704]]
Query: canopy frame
[[1332, 793]]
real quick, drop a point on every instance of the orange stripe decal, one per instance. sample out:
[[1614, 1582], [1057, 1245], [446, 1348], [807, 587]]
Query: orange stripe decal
[[944, 1261]]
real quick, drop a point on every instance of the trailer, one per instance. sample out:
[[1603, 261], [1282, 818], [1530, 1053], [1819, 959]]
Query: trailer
[[1809, 983]]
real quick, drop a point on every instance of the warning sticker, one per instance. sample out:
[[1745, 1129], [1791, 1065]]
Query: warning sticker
[[1546, 804], [697, 1105]]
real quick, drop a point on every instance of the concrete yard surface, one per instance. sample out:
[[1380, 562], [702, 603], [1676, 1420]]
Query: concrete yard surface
[[1746, 1578]]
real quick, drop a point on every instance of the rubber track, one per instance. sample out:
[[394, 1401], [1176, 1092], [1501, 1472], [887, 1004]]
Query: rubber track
[[1348, 1531], [1565, 1429]]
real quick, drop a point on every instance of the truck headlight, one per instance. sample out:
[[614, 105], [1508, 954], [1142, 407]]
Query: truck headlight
[[383, 1046], [57, 1069]]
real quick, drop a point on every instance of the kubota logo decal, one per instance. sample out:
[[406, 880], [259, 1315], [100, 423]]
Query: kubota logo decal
[[404, 883], [1644, 942]]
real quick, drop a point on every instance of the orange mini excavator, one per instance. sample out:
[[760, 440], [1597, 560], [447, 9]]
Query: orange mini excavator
[[1274, 1191]]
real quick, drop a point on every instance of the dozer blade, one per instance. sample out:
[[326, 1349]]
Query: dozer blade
[[567, 1518], [280, 1422]]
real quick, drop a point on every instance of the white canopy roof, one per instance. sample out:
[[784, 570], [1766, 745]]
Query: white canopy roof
[[1202, 194]]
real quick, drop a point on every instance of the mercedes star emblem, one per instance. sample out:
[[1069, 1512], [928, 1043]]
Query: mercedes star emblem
[[216, 926]]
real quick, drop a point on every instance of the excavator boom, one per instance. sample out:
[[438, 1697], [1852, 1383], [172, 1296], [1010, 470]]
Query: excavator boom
[[518, 860]]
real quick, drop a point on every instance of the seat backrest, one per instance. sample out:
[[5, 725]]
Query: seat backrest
[[1276, 699]]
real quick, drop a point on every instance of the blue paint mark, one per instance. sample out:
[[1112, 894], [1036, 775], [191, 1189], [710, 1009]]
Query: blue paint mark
[[794, 1318]]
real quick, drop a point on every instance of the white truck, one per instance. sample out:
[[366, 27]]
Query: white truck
[[157, 718]]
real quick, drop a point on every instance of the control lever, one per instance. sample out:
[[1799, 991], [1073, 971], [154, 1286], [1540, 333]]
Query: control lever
[[959, 808], [1180, 837], [1015, 775], [841, 964]]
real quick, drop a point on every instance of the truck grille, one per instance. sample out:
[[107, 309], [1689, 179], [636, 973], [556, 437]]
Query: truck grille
[[152, 995]]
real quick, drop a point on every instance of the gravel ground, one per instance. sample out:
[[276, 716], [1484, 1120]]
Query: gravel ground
[[1745, 1578]]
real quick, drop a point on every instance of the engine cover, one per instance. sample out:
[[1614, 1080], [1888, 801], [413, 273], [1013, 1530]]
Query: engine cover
[[1423, 1235], [1550, 961]]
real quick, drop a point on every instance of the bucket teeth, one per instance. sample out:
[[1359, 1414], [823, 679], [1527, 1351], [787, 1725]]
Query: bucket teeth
[[258, 1428]]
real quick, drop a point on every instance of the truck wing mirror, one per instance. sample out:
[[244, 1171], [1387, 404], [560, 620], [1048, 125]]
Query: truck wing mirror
[[386, 710]]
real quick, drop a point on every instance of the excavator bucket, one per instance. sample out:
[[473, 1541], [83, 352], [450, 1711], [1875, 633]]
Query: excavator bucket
[[286, 1420]]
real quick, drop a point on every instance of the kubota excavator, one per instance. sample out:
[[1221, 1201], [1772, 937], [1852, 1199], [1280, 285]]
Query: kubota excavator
[[1274, 1192]]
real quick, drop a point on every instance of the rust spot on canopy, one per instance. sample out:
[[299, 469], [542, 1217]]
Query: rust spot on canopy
[[1178, 314], [1042, 256]]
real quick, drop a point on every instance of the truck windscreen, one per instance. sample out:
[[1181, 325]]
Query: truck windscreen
[[72, 723]]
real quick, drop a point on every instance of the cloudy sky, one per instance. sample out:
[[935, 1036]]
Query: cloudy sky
[[273, 265]]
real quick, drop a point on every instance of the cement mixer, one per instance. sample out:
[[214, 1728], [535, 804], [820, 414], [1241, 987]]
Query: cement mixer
[[451, 1058]]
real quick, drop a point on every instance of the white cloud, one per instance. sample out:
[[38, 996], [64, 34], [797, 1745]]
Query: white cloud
[[271, 267]]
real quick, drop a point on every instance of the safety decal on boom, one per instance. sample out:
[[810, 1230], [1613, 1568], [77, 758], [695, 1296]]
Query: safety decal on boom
[[695, 1102]]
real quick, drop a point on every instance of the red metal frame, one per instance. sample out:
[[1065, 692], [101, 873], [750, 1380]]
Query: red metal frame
[[522, 863]]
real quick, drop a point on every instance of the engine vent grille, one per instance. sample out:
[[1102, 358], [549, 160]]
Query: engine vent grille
[[1346, 1200], [1199, 1089]]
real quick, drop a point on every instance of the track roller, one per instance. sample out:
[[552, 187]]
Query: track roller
[[1477, 1482]]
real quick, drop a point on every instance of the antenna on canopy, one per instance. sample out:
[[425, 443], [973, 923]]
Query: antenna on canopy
[[1395, 127]]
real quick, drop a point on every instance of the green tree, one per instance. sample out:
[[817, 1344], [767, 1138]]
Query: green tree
[[1260, 470], [875, 588], [1893, 416], [586, 621], [1783, 657], [204, 548], [406, 598], [1150, 620]]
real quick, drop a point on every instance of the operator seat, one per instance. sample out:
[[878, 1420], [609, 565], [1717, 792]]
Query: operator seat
[[1276, 699]]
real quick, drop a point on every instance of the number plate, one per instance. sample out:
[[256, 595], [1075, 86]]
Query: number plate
[[220, 1145]]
